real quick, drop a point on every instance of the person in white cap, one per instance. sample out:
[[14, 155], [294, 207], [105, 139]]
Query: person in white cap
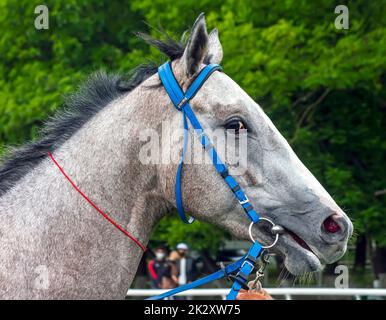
[[182, 246], [186, 265]]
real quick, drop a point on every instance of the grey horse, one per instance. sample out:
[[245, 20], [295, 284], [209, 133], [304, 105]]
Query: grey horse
[[54, 245]]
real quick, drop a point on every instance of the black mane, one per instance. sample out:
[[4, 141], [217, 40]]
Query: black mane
[[96, 92]]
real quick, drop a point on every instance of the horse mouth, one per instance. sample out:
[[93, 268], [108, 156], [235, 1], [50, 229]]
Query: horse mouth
[[299, 257], [296, 238], [299, 240]]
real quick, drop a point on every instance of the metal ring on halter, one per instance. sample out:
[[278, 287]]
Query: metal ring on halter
[[253, 240]]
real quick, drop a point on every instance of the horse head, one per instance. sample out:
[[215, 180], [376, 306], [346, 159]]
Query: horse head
[[278, 184]]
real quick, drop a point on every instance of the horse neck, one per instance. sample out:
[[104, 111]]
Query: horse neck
[[102, 160]]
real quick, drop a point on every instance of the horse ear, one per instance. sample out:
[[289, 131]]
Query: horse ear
[[196, 48], [215, 52]]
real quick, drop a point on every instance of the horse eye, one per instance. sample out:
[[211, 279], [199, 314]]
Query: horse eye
[[236, 125]]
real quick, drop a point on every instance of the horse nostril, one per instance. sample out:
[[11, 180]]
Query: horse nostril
[[330, 225]]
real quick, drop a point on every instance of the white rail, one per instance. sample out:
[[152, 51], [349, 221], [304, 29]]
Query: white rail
[[286, 292]]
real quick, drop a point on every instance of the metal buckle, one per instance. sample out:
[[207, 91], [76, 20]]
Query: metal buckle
[[182, 102], [244, 201], [247, 262]]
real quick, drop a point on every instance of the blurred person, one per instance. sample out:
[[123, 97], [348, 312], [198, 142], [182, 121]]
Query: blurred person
[[174, 256], [153, 274], [186, 265], [162, 271]]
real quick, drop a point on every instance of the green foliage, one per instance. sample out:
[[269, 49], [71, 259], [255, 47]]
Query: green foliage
[[322, 87], [38, 66]]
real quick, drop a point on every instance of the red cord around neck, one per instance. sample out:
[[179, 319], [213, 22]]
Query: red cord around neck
[[104, 215]]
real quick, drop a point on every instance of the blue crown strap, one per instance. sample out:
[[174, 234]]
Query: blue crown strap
[[176, 95], [200, 80], [170, 83]]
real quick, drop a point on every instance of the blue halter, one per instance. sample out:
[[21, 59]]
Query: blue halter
[[181, 101]]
